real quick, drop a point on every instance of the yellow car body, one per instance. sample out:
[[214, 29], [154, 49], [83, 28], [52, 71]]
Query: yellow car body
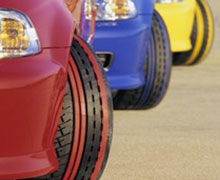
[[179, 19]]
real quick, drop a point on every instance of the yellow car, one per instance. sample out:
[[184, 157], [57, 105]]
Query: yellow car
[[191, 28]]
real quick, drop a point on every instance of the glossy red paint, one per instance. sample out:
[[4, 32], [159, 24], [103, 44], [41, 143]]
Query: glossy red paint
[[32, 89]]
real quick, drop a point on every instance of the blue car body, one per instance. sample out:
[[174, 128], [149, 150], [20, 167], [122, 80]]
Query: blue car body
[[126, 42]]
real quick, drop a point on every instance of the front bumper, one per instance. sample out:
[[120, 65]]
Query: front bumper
[[179, 19], [31, 93], [127, 40]]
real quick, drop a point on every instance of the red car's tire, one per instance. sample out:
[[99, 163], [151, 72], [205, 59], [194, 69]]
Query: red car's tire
[[85, 132]]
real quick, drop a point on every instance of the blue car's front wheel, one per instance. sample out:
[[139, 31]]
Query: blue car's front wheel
[[157, 72]]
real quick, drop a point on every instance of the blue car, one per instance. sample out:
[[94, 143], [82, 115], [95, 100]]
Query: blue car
[[132, 42]]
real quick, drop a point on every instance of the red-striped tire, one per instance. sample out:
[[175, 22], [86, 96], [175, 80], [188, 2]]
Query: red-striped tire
[[85, 132]]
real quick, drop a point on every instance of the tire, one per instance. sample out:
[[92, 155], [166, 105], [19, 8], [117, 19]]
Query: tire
[[201, 38], [85, 131], [157, 72]]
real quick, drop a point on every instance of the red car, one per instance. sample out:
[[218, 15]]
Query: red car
[[56, 111]]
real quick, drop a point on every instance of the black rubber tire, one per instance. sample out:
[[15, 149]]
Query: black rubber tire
[[64, 137], [182, 58], [157, 72]]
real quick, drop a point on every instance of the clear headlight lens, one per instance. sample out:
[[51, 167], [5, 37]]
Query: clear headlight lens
[[111, 10], [17, 35], [167, 1]]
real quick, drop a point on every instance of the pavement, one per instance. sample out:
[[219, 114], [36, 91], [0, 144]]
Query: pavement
[[180, 139]]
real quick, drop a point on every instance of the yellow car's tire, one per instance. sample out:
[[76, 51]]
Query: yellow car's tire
[[201, 38]]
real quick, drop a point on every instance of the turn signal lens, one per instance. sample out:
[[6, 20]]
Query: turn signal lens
[[17, 35], [119, 8]]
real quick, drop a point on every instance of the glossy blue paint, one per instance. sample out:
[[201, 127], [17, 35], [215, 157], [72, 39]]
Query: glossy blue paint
[[127, 40], [144, 6]]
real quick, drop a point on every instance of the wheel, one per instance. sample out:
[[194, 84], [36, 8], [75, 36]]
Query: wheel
[[85, 131], [157, 72], [201, 38]]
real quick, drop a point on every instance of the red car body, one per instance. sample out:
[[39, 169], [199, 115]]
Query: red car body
[[32, 89]]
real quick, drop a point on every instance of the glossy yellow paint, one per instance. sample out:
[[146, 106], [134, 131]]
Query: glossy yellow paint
[[200, 24], [179, 19]]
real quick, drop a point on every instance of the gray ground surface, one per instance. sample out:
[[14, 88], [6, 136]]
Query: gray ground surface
[[180, 139]]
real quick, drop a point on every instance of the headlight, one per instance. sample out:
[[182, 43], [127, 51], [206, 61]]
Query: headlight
[[167, 1], [17, 35], [111, 10]]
